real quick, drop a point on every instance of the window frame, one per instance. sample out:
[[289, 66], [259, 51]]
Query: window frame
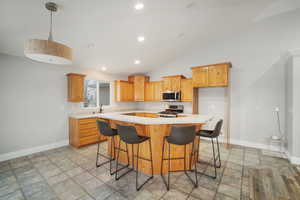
[[97, 94]]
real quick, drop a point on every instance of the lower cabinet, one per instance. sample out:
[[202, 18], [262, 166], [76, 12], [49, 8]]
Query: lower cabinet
[[84, 132]]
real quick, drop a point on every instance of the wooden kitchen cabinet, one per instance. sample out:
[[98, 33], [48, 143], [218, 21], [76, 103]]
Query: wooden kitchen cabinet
[[124, 91], [211, 75], [218, 75], [200, 76], [139, 84], [149, 91], [172, 83], [187, 90], [75, 87], [153, 91], [157, 91], [84, 132]]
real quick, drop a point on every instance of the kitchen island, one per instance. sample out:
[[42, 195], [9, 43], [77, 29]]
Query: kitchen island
[[151, 125]]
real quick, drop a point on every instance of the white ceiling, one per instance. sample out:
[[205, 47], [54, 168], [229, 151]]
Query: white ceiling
[[104, 32]]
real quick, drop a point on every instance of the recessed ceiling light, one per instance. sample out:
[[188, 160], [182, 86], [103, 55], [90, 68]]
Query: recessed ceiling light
[[139, 6], [141, 39], [137, 62], [103, 68]]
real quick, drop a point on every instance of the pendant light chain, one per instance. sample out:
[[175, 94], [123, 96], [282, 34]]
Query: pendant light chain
[[50, 32]]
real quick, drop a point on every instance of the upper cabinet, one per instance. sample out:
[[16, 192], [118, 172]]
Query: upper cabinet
[[187, 90], [211, 75], [75, 87], [124, 91], [153, 91], [200, 76], [172, 83], [139, 84]]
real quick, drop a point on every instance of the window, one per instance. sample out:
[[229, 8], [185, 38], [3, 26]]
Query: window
[[96, 93]]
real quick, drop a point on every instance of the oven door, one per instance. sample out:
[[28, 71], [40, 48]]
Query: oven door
[[171, 96]]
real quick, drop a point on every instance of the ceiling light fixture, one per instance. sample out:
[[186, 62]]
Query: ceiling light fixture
[[48, 51], [103, 68], [141, 39], [137, 62], [139, 6]]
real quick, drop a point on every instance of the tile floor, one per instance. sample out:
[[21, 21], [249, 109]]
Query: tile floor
[[68, 173]]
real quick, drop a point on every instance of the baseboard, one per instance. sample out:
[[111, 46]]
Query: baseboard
[[247, 143], [25, 152], [292, 159]]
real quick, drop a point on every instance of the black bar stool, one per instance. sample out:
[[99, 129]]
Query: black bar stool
[[128, 135], [180, 135], [106, 130], [212, 134]]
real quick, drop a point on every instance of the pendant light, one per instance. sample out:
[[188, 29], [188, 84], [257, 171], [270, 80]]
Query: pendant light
[[48, 51]]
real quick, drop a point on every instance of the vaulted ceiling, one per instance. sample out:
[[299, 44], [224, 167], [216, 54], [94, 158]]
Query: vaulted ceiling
[[104, 32]]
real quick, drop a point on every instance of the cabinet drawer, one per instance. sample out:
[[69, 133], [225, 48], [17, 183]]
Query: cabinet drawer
[[87, 121], [89, 140], [88, 132], [88, 126]]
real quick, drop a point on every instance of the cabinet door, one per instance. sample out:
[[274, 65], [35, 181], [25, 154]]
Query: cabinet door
[[167, 84], [175, 83], [186, 90], [75, 88], [123, 91], [218, 75], [128, 91], [139, 88], [200, 77], [149, 91], [157, 91]]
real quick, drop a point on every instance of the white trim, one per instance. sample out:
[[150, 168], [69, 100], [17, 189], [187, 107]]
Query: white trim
[[294, 160], [25, 152]]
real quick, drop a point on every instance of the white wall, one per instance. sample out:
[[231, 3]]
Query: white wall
[[34, 107], [289, 105], [258, 76], [296, 107]]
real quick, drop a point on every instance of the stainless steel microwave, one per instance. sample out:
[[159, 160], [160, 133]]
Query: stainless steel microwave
[[171, 96]]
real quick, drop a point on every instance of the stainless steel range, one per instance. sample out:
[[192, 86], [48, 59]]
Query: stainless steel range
[[172, 111]]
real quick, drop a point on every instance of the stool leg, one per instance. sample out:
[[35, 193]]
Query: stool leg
[[219, 155], [169, 165], [150, 147], [117, 160], [104, 156], [185, 170], [97, 155], [162, 157], [215, 164], [111, 154], [130, 169], [137, 166], [167, 183]]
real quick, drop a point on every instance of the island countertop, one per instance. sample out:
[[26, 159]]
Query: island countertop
[[120, 116]]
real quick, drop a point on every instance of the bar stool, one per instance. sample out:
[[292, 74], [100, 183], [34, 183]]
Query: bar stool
[[128, 135], [180, 135], [106, 130], [212, 134]]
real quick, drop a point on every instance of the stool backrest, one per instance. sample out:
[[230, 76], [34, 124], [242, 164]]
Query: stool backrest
[[104, 128], [217, 129], [182, 135], [127, 134]]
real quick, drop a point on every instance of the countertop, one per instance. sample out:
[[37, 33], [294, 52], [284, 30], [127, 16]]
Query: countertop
[[189, 118]]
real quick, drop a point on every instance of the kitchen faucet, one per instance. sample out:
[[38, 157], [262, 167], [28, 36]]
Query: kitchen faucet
[[101, 109]]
